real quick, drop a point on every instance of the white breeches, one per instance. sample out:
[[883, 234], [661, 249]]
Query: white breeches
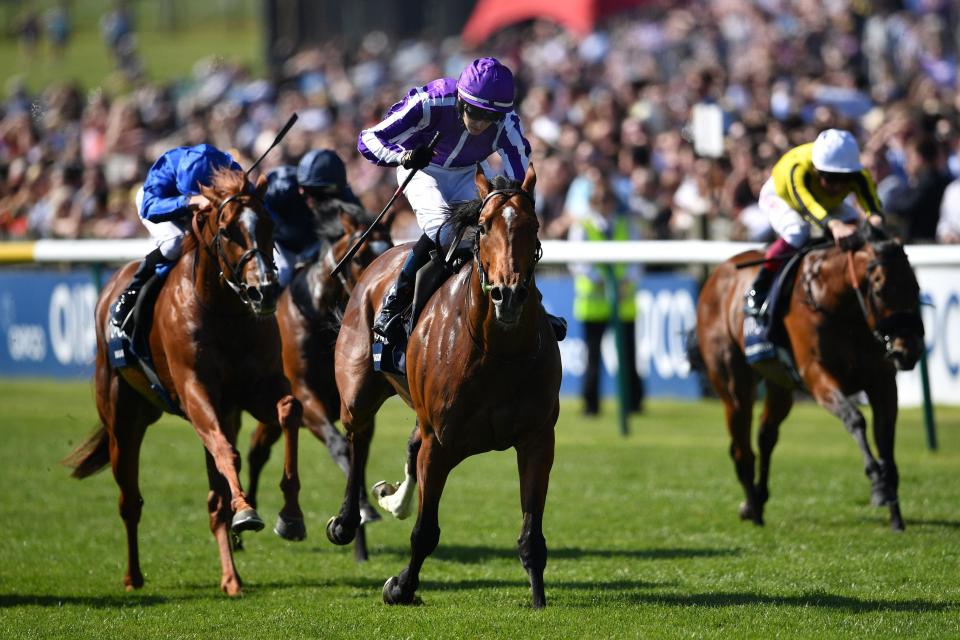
[[788, 223], [434, 188]]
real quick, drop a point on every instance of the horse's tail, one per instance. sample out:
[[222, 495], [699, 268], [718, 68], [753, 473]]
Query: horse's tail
[[91, 456], [694, 357]]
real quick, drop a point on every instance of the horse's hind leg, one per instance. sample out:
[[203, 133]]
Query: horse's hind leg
[[886, 480], [398, 499], [776, 407], [735, 387], [126, 417], [433, 467], [534, 461], [218, 506]]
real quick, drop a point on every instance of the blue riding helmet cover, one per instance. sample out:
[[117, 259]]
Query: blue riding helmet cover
[[197, 165]]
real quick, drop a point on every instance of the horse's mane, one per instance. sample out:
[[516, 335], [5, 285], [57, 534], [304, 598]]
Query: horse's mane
[[466, 213], [226, 181]]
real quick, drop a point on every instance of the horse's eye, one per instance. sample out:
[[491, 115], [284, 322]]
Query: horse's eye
[[481, 229]]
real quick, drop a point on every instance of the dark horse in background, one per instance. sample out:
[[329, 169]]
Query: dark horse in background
[[309, 313], [216, 349], [842, 343], [483, 374]]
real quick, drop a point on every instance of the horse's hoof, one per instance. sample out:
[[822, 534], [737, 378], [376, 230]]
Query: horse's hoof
[[236, 541], [745, 511], [131, 583], [392, 594], [383, 489], [368, 515], [337, 533], [292, 529], [246, 520]]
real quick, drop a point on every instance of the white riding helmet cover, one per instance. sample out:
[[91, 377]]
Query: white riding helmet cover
[[836, 151]]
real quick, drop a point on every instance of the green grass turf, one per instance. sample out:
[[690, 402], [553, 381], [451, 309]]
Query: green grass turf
[[643, 535]]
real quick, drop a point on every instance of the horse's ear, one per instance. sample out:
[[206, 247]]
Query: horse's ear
[[209, 193], [346, 221], [483, 185], [261, 186], [529, 180]]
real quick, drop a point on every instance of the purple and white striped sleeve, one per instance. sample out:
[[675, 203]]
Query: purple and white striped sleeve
[[382, 144], [513, 148]]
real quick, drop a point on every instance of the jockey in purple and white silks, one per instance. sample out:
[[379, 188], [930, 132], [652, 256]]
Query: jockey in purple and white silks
[[475, 117]]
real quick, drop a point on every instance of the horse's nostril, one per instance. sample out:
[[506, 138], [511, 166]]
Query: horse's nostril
[[521, 294], [496, 294], [254, 294]]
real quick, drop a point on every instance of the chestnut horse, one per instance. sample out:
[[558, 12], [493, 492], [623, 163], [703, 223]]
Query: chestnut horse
[[216, 349], [483, 373], [309, 314], [851, 322]]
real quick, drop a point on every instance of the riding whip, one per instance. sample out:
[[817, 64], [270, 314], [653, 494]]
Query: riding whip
[[276, 141], [348, 256]]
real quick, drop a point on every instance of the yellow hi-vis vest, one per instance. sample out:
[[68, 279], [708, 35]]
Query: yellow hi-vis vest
[[592, 301]]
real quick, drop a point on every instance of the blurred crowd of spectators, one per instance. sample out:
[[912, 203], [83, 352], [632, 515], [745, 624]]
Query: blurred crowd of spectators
[[615, 106]]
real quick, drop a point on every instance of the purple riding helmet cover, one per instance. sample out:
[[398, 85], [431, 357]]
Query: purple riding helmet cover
[[488, 84]]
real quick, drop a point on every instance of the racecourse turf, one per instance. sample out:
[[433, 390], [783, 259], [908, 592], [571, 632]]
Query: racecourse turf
[[643, 535]]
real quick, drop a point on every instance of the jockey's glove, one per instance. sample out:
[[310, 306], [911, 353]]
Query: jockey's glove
[[417, 158]]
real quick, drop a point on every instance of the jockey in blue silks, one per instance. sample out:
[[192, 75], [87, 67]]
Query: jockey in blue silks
[[166, 203], [475, 116], [305, 202]]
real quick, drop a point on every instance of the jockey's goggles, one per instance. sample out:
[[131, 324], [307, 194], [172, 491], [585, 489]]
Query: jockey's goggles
[[476, 113], [836, 178]]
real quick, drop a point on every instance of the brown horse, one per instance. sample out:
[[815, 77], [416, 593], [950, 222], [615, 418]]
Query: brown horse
[[851, 322], [483, 374], [216, 349], [309, 314]]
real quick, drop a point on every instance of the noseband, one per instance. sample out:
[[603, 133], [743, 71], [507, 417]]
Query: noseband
[[485, 285]]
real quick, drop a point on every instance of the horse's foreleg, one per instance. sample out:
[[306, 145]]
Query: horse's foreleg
[[398, 499], [739, 418], [219, 443], [433, 467], [264, 437], [290, 525], [776, 407], [826, 391], [534, 461], [883, 401], [342, 528], [218, 507]]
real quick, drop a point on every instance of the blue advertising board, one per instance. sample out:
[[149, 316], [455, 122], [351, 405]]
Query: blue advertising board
[[666, 308], [46, 329], [46, 323]]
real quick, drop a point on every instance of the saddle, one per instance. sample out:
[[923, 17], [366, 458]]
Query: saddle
[[392, 358], [128, 350], [766, 345]]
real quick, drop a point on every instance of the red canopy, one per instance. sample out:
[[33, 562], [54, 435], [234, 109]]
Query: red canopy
[[578, 16]]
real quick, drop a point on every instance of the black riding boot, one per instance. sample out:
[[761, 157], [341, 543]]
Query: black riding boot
[[389, 324], [757, 295], [121, 310]]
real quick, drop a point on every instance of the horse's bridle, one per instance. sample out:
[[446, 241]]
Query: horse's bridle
[[233, 278], [485, 285], [885, 329]]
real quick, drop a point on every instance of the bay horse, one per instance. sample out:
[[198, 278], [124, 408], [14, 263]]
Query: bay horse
[[216, 349], [309, 313], [851, 322], [483, 373]]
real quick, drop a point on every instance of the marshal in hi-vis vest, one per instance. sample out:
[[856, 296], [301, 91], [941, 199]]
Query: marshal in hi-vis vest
[[592, 301]]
